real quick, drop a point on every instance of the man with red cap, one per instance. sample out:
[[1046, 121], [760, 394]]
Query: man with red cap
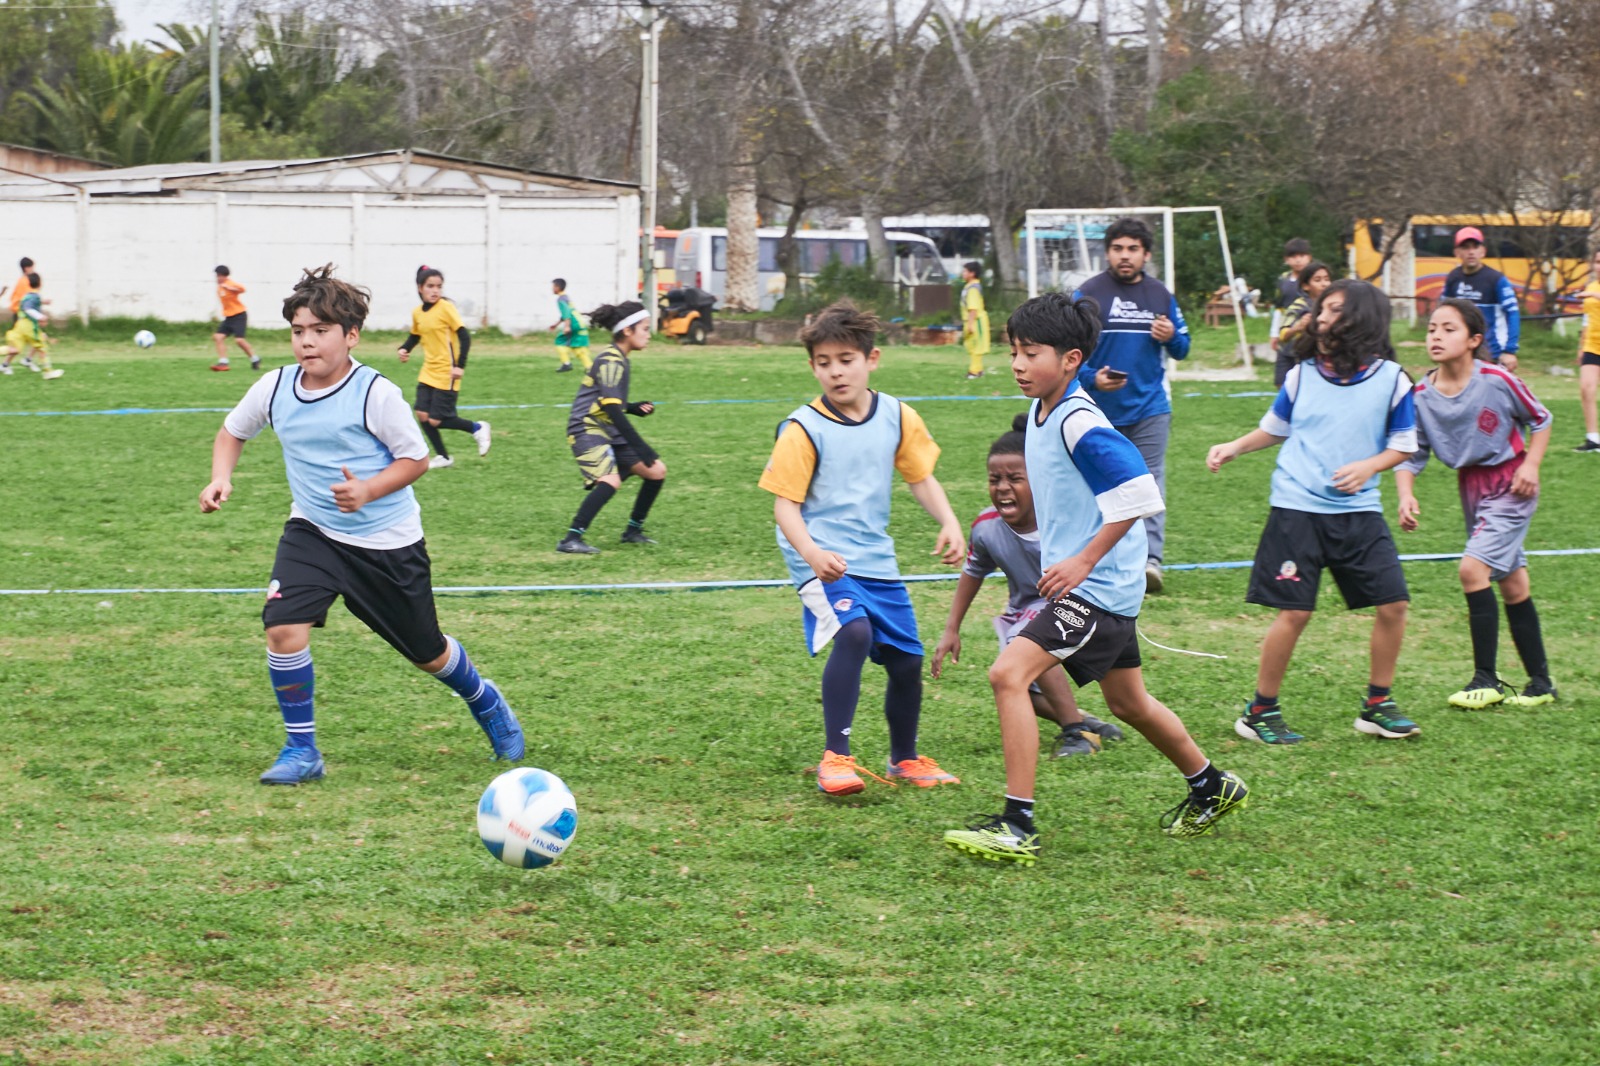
[[1489, 289]]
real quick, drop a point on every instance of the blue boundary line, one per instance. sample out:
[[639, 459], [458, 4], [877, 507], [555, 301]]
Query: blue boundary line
[[1018, 398], [704, 586]]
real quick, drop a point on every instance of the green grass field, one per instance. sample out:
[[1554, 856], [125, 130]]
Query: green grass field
[[1414, 902]]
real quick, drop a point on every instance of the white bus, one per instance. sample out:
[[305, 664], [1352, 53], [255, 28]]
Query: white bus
[[960, 239], [702, 258]]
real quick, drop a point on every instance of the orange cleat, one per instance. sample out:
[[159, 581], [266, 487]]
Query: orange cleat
[[922, 772], [837, 775]]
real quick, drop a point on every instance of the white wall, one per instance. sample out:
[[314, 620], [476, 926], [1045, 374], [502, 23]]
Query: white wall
[[154, 256]]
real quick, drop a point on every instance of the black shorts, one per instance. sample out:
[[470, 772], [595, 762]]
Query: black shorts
[[437, 404], [390, 590], [1297, 545], [1089, 641], [1589, 359], [232, 326]]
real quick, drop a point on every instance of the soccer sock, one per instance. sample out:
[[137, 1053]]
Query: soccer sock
[[647, 498], [598, 497], [902, 701], [431, 431], [462, 677], [1592, 438], [1205, 782], [1376, 694], [1525, 634], [1261, 704], [1019, 812], [841, 683], [457, 422], [294, 683], [1483, 621], [222, 360]]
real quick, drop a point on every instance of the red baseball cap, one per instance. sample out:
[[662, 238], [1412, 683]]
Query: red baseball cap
[[1468, 233]]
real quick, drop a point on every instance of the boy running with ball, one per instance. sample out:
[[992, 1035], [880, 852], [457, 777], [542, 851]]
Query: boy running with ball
[[832, 471], [352, 450], [1091, 492]]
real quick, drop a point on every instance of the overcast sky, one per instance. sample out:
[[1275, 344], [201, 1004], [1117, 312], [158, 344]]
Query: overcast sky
[[140, 18]]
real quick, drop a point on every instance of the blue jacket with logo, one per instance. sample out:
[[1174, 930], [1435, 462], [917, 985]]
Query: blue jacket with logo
[[1496, 298], [1127, 310]]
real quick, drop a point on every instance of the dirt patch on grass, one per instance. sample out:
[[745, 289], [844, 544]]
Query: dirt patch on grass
[[104, 1025]]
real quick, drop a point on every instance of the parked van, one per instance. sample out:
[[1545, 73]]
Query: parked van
[[702, 258]]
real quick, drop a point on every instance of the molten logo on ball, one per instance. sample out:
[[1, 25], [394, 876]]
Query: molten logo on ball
[[527, 817]]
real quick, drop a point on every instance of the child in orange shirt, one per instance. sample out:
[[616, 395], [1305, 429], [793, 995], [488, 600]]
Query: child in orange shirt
[[233, 322]]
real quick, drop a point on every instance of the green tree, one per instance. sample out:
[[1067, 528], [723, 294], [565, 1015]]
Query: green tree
[[43, 40], [123, 106], [1213, 138]]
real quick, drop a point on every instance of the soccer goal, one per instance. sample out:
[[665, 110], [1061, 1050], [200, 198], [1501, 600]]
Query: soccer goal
[[1064, 247]]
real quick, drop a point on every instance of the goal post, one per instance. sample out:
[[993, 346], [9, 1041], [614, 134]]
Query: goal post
[[1063, 247]]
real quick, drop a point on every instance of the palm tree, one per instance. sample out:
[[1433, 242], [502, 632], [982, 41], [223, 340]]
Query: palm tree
[[127, 106]]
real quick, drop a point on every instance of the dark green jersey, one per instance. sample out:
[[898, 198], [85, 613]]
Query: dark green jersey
[[604, 388]]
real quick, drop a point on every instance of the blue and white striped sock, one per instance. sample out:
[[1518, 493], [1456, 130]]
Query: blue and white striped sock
[[294, 683], [462, 676]]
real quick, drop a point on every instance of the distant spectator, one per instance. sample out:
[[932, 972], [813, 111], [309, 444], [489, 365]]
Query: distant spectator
[[1126, 374], [1489, 289], [1296, 254]]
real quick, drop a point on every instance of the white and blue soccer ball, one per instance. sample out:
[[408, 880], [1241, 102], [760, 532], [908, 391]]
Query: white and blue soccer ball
[[527, 817], [144, 339]]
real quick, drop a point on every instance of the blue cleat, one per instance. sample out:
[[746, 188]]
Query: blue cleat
[[500, 725], [295, 765]]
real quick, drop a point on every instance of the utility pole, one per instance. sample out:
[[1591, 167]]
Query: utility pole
[[649, 83], [216, 88]]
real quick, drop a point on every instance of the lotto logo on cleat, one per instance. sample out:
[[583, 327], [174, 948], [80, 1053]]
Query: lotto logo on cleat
[[1288, 571]]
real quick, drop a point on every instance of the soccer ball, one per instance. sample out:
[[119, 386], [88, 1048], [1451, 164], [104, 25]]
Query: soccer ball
[[527, 817], [144, 338]]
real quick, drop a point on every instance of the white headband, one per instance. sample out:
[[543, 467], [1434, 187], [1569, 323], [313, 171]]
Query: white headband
[[637, 316]]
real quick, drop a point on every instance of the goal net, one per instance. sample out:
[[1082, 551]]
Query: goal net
[[1064, 247]]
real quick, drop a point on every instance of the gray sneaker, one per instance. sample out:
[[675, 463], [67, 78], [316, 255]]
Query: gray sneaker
[[1104, 730], [1076, 741]]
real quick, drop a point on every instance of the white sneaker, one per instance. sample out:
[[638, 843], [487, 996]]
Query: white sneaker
[[50, 375], [439, 462], [1154, 579], [31, 365], [481, 435], [5, 368]]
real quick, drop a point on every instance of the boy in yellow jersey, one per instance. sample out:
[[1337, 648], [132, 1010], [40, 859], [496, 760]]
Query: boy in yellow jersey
[[974, 319], [234, 320], [1589, 359], [437, 326], [27, 335], [572, 336], [832, 472]]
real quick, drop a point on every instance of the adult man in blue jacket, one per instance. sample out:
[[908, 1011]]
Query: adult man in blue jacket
[[1491, 291], [1126, 374]]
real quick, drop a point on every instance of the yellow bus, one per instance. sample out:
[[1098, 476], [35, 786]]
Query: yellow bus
[[1542, 254]]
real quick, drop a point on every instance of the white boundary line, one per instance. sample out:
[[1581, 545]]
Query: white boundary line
[[697, 586]]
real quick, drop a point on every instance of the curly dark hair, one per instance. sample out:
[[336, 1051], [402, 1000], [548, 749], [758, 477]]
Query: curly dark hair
[[329, 299], [1359, 334], [1013, 442]]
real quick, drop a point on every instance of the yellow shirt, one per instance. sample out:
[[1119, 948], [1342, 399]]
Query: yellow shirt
[[1591, 319], [794, 457], [437, 327], [972, 299]]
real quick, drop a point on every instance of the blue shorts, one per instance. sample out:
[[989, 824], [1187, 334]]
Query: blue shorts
[[884, 604]]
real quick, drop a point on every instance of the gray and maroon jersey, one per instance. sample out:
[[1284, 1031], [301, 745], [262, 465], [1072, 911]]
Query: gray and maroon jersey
[[1482, 426], [996, 546]]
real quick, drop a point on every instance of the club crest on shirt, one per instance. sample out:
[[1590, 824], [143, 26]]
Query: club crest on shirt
[[844, 604], [1488, 421], [1288, 571]]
